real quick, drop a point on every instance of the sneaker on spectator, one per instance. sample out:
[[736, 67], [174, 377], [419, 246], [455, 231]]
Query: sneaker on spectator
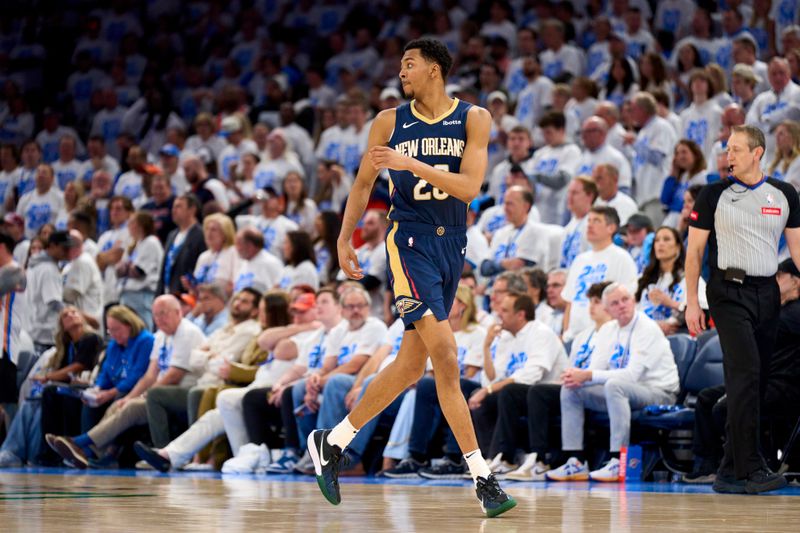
[[285, 463], [9, 460], [445, 469], [495, 462], [572, 470], [245, 461], [198, 467], [407, 468], [524, 471], [305, 465], [608, 473], [502, 469]]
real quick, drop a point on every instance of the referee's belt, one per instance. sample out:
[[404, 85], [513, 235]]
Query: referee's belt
[[738, 275], [430, 229]]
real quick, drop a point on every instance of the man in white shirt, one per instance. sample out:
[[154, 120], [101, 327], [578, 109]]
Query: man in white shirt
[[129, 184], [604, 262], [700, 122], [112, 244], [354, 141], [494, 217], [653, 147], [745, 51], [107, 123], [229, 158], [631, 367], [518, 146], [597, 151], [83, 283], [535, 96], [67, 168], [581, 194], [258, 268], [518, 244], [554, 165], [559, 59], [615, 132], [772, 107], [329, 147], [271, 223], [606, 177], [282, 160], [42, 205], [638, 39], [552, 312], [170, 364], [372, 258], [50, 137], [520, 350]]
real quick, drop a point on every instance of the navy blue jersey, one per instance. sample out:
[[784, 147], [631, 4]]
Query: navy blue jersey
[[439, 143]]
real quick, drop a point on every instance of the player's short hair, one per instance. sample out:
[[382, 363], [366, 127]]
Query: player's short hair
[[755, 137], [554, 119], [523, 302], [607, 212], [596, 290], [433, 51]]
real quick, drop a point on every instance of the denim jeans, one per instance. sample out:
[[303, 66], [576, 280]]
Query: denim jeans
[[25, 434]]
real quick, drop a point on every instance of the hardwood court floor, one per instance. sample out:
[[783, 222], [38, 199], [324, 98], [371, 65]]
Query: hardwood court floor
[[101, 502]]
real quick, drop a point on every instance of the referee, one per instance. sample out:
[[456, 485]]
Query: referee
[[742, 219]]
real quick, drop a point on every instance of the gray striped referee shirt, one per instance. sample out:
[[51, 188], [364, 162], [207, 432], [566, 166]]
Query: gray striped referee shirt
[[746, 222]]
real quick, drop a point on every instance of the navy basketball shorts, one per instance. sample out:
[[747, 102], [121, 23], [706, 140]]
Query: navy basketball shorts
[[425, 264]]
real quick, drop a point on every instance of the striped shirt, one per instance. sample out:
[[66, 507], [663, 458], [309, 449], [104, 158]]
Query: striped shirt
[[746, 222]]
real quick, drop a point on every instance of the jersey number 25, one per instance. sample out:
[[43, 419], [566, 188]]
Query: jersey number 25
[[437, 194]]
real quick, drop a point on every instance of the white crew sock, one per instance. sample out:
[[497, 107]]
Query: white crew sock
[[343, 434], [477, 465]]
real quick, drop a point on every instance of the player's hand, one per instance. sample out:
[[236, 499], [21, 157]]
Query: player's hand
[[348, 260], [695, 319], [385, 157]]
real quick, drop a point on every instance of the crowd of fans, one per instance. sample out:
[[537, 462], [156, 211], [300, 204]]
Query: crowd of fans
[[172, 176]]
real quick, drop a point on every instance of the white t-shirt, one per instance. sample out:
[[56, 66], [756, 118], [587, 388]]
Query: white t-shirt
[[343, 342], [108, 239], [494, 218], [45, 285], [214, 266], [40, 209], [66, 172], [567, 59], [678, 293], [656, 137], [532, 102], [792, 174], [262, 272], [638, 352], [147, 255], [14, 312], [273, 229], [477, 247], [394, 337], [674, 16], [330, 144], [271, 173], [231, 155], [768, 110], [550, 317], [583, 347], [606, 155], [574, 242], [701, 124], [214, 144], [176, 350], [534, 355], [311, 346], [470, 348], [612, 263], [83, 276], [129, 185], [549, 160], [497, 180], [372, 260], [523, 243], [624, 204], [303, 274], [354, 144]]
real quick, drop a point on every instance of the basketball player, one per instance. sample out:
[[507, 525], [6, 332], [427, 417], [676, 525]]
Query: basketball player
[[436, 151]]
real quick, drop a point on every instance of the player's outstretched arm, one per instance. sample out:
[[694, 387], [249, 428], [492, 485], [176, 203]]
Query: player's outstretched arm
[[379, 134], [464, 185]]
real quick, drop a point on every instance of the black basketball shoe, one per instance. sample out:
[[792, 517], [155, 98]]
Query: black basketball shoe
[[328, 460], [493, 500]]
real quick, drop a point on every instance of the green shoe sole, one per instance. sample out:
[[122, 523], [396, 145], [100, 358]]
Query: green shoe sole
[[321, 483], [507, 506]]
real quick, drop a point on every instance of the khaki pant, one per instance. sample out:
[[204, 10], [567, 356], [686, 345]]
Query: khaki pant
[[118, 419]]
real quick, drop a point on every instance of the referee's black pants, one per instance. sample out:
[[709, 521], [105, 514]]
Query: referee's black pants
[[746, 317]]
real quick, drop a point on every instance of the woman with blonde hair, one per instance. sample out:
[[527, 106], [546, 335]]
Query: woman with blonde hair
[[218, 263], [786, 165], [77, 347], [140, 267]]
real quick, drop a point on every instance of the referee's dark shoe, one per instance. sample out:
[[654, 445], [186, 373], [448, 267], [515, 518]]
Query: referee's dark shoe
[[764, 480], [494, 501], [328, 460]]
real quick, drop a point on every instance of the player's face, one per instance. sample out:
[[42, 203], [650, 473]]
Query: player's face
[[414, 72]]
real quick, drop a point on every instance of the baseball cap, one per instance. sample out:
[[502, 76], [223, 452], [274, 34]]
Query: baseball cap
[[390, 92], [266, 193], [230, 124], [170, 150], [13, 218], [639, 221], [304, 302], [62, 238], [497, 95], [789, 267], [188, 299]]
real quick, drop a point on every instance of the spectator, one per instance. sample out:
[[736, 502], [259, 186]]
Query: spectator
[[130, 184], [620, 378], [9, 175], [372, 257], [160, 206], [138, 271], [99, 200], [597, 151], [581, 194], [535, 95], [218, 262], [559, 61], [604, 262], [621, 84], [184, 245], [554, 167], [169, 365], [300, 209], [74, 192], [743, 83], [688, 168], [616, 131], [42, 205], [211, 313], [149, 118], [701, 119], [786, 165], [772, 107], [66, 167], [169, 159], [271, 223], [301, 268], [83, 283], [107, 123], [327, 227], [638, 239], [44, 292], [606, 178], [281, 161], [205, 137], [334, 186], [518, 145], [493, 218], [257, 267], [49, 139], [12, 317]]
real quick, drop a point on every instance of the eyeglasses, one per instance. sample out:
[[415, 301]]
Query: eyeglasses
[[354, 307]]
